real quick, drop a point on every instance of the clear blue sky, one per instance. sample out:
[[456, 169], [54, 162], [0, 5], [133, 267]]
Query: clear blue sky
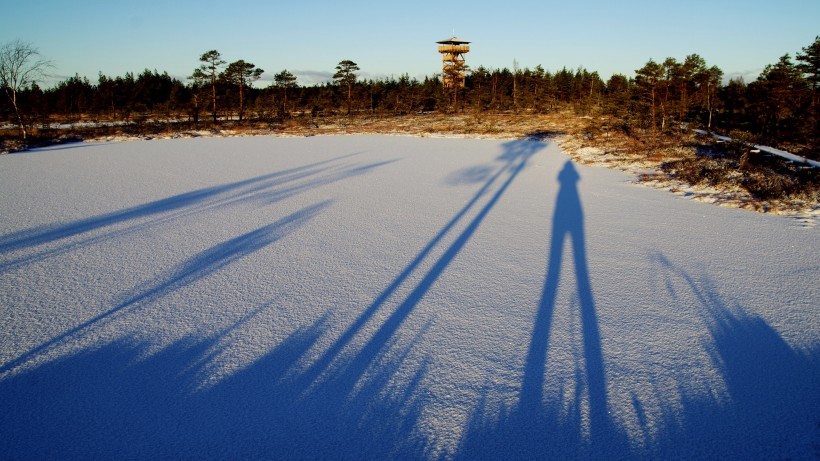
[[386, 38]]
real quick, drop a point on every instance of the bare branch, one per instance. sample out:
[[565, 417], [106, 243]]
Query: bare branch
[[20, 67]]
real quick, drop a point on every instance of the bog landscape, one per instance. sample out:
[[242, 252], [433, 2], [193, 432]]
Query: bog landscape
[[403, 269]]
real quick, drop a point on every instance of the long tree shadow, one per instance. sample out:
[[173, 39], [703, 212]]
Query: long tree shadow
[[117, 401], [260, 189], [125, 400], [197, 267], [274, 186], [537, 428], [351, 368], [766, 404], [290, 403]]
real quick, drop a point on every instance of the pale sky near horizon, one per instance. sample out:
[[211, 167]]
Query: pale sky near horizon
[[385, 39]]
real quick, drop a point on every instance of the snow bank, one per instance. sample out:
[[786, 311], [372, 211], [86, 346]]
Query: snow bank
[[767, 149], [390, 297]]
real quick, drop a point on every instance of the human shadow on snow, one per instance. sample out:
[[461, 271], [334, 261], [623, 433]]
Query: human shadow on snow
[[319, 394], [767, 408], [536, 428], [301, 400], [771, 403]]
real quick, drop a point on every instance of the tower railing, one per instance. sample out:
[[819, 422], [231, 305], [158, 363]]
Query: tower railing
[[453, 49]]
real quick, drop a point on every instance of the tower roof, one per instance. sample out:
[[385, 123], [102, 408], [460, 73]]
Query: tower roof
[[453, 41]]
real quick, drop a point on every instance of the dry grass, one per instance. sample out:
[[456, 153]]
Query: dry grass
[[503, 126], [702, 169]]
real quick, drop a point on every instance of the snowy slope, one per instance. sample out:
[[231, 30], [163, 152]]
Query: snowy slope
[[392, 297]]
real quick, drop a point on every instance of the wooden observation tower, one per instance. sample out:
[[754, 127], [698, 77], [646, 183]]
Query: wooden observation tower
[[452, 58]]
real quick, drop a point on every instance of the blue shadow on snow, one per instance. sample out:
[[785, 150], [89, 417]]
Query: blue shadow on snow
[[265, 189], [770, 412], [116, 401]]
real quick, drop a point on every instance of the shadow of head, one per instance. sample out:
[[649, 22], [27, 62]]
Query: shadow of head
[[568, 175]]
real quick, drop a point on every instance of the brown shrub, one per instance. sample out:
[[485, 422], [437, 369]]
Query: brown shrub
[[699, 170]]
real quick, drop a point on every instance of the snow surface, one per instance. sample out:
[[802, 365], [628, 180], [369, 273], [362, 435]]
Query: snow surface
[[372, 297]]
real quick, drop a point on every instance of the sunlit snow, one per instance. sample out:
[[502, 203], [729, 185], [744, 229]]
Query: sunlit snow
[[378, 297]]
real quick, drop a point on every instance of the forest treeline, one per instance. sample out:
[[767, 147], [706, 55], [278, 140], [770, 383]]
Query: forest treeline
[[780, 108]]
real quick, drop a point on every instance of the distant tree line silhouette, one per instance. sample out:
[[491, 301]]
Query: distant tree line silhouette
[[781, 107]]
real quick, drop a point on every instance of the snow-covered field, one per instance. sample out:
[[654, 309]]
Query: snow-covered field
[[375, 297]]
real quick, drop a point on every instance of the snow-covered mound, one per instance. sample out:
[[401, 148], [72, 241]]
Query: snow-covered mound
[[373, 297]]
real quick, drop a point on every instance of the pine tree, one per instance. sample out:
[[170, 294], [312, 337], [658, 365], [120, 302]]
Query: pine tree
[[209, 71], [284, 80], [345, 76], [777, 97], [708, 83], [647, 80], [670, 72], [809, 65], [692, 65], [242, 74], [618, 94]]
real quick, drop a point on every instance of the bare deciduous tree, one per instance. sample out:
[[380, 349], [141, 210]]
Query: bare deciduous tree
[[20, 67]]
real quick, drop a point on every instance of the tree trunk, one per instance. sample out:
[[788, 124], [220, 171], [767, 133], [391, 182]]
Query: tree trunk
[[241, 101], [195, 111], [349, 97], [515, 92], [22, 125], [653, 113], [709, 106], [664, 105], [13, 97], [213, 94], [493, 90]]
